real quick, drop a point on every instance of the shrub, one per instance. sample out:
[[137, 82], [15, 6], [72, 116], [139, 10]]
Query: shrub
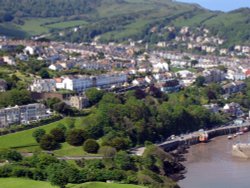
[[76, 137], [91, 146], [58, 134], [48, 142]]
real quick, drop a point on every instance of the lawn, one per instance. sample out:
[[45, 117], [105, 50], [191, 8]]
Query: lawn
[[23, 183], [28, 183], [103, 185], [176, 69], [23, 140], [34, 26], [38, 26], [68, 150], [66, 24]]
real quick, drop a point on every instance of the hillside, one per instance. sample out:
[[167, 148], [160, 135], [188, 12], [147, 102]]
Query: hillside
[[116, 20]]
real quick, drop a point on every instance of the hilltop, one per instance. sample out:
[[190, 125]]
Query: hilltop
[[117, 20]]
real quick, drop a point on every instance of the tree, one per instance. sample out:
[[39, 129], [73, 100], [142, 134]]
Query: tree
[[140, 94], [48, 142], [15, 97], [57, 175], [59, 134], [44, 73], [194, 62], [38, 134], [119, 143], [94, 95], [123, 161], [50, 102], [107, 151], [155, 92], [200, 80], [91, 146], [63, 108], [76, 137], [13, 155]]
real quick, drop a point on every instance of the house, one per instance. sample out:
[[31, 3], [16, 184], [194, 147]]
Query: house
[[233, 87], [81, 83], [247, 73], [161, 44], [56, 67], [9, 60], [184, 74], [139, 82], [234, 109], [22, 114], [235, 74], [79, 102], [213, 75], [3, 85], [212, 107], [29, 50], [43, 85], [170, 85]]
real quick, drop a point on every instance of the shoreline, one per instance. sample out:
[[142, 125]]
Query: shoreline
[[215, 154], [180, 153]]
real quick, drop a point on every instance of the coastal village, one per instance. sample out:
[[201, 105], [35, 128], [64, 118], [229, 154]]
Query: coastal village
[[119, 68]]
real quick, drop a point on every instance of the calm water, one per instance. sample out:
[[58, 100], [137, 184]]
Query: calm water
[[211, 165], [223, 5]]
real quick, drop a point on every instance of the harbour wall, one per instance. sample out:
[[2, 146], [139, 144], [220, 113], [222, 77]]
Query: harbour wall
[[194, 137]]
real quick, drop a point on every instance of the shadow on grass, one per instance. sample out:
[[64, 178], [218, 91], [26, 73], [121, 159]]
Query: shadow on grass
[[24, 146]]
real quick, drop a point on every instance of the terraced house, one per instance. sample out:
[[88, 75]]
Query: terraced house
[[22, 114]]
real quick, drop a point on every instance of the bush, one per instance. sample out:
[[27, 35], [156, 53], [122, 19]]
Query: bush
[[48, 142], [14, 156], [119, 143], [91, 146], [94, 95], [22, 172], [76, 137], [58, 134], [5, 171], [107, 151]]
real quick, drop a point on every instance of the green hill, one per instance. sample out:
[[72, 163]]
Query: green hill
[[116, 20]]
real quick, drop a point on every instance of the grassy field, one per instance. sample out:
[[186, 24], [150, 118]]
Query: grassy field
[[103, 185], [24, 142], [38, 26], [23, 183], [27, 183], [66, 24], [176, 69], [34, 26]]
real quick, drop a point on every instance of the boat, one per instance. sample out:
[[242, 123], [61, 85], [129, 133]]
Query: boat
[[245, 129], [203, 137], [240, 133], [229, 137]]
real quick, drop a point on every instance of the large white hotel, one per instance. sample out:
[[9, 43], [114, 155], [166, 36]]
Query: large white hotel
[[81, 83], [78, 83]]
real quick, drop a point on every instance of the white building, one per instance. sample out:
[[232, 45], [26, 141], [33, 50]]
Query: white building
[[81, 83], [43, 85], [22, 114], [9, 60]]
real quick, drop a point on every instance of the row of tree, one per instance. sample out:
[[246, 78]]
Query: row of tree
[[115, 166]]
